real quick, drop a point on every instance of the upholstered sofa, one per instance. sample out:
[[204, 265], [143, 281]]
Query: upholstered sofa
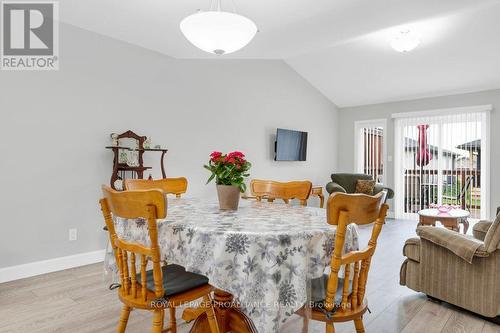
[[346, 183], [455, 268]]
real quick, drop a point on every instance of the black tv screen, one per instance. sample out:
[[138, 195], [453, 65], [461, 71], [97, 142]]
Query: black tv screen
[[290, 145]]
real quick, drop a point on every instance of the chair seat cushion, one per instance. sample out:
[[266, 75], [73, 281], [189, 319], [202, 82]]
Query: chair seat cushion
[[411, 249], [175, 280], [318, 291]]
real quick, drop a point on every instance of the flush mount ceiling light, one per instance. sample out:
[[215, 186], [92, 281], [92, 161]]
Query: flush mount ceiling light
[[218, 32], [405, 41]]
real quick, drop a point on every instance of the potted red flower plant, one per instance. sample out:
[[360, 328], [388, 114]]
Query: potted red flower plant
[[229, 171]]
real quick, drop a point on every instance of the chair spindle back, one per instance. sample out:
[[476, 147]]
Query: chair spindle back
[[175, 186], [149, 205], [271, 190], [342, 210]]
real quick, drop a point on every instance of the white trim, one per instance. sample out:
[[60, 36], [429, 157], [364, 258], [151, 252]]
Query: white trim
[[358, 125], [485, 173], [442, 112], [370, 121], [398, 156], [17, 272]]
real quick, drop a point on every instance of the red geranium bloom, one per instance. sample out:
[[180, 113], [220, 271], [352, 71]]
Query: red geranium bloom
[[216, 154], [237, 154]]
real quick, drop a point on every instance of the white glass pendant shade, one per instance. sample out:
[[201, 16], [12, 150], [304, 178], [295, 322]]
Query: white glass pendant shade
[[405, 41], [218, 32]]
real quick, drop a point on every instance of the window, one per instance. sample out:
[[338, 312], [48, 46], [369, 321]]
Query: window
[[370, 145]]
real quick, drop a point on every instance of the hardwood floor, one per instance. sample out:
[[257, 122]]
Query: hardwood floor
[[77, 300]]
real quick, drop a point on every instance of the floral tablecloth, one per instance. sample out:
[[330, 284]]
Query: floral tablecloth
[[264, 254]]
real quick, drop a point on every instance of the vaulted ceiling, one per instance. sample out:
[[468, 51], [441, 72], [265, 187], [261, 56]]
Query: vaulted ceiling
[[342, 47]]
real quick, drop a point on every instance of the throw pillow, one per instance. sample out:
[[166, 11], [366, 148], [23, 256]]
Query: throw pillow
[[365, 186]]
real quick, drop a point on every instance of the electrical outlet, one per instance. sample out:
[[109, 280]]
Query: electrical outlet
[[72, 234]]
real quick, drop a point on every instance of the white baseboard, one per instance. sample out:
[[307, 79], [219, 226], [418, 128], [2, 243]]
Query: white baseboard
[[390, 214], [17, 272]]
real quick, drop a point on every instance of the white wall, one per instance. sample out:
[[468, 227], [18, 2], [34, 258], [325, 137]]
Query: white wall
[[54, 126], [347, 117]]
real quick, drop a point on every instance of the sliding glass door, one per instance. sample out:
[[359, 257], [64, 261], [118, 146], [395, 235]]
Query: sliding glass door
[[442, 159]]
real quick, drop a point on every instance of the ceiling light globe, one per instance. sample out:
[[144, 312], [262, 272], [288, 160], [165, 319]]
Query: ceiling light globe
[[218, 32], [405, 41]]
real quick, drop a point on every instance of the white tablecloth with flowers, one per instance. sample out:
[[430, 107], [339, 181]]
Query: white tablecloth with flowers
[[264, 254]]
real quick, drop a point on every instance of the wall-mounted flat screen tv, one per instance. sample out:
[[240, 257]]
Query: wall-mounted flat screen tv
[[290, 145]]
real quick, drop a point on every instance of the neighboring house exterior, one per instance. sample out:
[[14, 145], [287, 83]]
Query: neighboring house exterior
[[411, 150], [473, 151], [461, 175]]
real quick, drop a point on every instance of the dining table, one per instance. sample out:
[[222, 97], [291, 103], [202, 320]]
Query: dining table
[[260, 258]]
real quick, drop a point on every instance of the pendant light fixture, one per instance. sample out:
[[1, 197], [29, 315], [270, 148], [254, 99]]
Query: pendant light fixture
[[217, 31]]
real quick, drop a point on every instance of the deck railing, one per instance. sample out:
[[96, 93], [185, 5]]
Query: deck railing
[[460, 187]]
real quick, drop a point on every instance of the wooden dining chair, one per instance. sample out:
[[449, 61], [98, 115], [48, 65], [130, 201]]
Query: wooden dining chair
[[271, 190], [161, 287], [344, 298], [175, 186]]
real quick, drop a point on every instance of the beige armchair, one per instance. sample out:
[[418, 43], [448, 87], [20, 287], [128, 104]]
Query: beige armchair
[[455, 268]]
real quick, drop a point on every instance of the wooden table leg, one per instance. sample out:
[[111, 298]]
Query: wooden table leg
[[321, 200], [229, 317], [318, 191], [424, 220], [451, 224], [465, 222]]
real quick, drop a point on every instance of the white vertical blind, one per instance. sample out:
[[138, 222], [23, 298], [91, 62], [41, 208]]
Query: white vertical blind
[[455, 175], [372, 151], [370, 146]]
